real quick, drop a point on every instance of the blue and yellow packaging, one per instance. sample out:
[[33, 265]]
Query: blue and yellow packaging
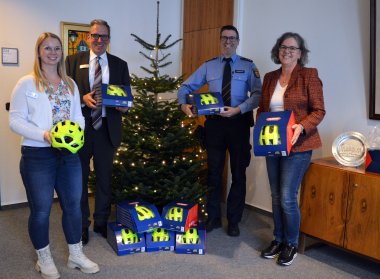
[[273, 133], [138, 216], [125, 241], [117, 95], [206, 103], [193, 241], [179, 216], [160, 239]]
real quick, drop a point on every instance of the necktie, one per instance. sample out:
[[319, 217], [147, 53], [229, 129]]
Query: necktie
[[226, 83], [96, 114]]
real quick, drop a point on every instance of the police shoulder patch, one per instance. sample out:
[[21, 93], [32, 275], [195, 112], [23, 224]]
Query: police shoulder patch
[[245, 59], [256, 72], [212, 59]]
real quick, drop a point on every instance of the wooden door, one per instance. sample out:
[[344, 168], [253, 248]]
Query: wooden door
[[201, 28], [323, 203], [363, 216]]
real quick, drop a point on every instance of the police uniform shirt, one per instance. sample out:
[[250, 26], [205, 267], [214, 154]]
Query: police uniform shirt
[[244, 78]]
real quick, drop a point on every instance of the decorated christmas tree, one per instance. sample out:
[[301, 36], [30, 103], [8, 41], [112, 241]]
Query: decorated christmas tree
[[160, 159]]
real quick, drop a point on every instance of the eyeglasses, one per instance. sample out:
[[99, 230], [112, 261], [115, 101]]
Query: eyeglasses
[[291, 49], [97, 36], [225, 38], [51, 49]]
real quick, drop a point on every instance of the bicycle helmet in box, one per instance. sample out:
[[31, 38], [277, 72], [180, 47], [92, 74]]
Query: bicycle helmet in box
[[160, 234], [144, 213], [175, 214]]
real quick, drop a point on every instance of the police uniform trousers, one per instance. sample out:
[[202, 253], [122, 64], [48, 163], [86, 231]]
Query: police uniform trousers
[[232, 134], [98, 146]]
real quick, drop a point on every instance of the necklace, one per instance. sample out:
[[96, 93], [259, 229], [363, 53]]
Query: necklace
[[284, 80]]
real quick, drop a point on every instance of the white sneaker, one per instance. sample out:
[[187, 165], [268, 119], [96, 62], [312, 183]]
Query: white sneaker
[[77, 259], [45, 264]]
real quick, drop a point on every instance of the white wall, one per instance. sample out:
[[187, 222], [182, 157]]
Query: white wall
[[337, 33], [22, 21]]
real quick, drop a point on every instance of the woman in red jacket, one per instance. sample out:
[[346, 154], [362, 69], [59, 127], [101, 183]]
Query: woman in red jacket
[[295, 88]]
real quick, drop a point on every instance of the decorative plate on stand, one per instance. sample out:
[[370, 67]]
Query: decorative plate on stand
[[349, 149]]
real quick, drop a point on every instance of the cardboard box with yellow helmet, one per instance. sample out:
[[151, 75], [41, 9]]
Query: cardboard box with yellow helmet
[[193, 241], [179, 216], [160, 239], [273, 133], [117, 95], [125, 241], [207, 103], [138, 216]]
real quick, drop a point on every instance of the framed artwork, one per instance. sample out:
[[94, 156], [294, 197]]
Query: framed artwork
[[374, 88], [9, 55], [74, 37]]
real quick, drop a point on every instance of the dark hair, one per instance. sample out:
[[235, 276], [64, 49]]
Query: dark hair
[[101, 22], [229, 27], [301, 44]]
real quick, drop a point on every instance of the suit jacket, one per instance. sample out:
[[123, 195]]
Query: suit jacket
[[119, 74], [303, 96]]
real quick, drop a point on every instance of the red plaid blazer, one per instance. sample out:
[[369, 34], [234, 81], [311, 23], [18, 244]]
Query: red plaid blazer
[[303, 96]]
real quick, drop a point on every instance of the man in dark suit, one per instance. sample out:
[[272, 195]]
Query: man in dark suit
[[102, 134]]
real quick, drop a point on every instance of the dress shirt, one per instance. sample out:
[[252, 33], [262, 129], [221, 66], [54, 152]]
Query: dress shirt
[[103, 61]]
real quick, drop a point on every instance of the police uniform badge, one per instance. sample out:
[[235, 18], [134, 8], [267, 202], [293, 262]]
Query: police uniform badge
[[256, 72]]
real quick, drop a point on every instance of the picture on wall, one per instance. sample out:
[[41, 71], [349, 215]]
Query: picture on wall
[[74, 37]]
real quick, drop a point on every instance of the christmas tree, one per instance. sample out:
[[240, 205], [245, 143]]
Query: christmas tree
[[159, 160]]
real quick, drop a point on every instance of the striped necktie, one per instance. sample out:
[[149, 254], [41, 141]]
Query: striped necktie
[[226, 83], [96, 114]]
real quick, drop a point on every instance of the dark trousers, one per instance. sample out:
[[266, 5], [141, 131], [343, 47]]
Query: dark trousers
[[97, 145], [224, 134]]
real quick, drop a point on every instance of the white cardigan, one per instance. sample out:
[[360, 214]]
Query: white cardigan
[[30, 113]]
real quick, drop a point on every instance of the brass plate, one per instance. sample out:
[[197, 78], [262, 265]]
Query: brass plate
[[349, 149]]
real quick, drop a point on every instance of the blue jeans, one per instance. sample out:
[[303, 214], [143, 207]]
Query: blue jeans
[[44, 169], [285, 175]]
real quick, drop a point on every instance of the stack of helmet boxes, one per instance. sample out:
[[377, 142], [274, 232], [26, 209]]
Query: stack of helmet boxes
[[183, 219], [140, 228], [133, 219]]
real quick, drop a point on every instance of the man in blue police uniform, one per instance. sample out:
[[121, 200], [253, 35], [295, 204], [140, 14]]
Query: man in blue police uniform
[[231, 129]]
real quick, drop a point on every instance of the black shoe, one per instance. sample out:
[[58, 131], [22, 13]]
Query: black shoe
[[272, 251], [287, 255], [85, 237], [233, 229], [213, 223], [101, 230]]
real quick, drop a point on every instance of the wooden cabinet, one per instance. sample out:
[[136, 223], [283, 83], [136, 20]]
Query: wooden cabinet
[[341, 205]]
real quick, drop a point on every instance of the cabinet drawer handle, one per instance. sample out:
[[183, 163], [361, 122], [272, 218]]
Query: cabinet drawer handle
[[364, 205], [313, 191], [356, 185], [331, 198]]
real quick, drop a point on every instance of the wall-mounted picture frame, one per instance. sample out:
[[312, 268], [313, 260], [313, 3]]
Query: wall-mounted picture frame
[[9, 56], [74, 37], [374, 88]]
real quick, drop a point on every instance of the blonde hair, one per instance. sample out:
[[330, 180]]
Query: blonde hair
[[40, 79]]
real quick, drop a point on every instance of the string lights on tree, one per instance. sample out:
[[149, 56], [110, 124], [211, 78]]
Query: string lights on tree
[[160, 159]]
